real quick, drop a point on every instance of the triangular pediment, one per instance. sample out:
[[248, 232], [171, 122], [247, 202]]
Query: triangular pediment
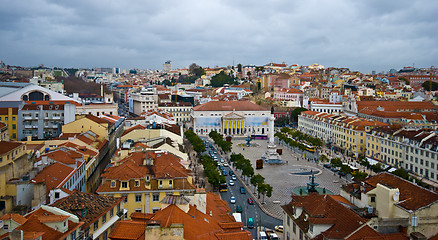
[[233, 115]]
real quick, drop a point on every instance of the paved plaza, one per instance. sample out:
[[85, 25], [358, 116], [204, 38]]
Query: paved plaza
[[284, 177]]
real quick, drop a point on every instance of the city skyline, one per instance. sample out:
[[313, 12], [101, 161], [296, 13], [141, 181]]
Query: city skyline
[[360, 36]]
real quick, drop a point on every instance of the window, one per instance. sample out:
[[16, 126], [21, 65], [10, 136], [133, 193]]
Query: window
[[6, 227], [170, 183], [155, 197], [138, 198], [113, 183], [288, 220], [111, 212], [148, 178], [137, 183], [124, 184], [104, 218], [126, 198], [154, 210], [138, 210], [96, 225], [56, 194], [373, 199], [294, 228], [161, 184]]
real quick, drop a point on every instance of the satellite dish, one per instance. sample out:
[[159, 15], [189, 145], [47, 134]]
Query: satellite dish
[[395, 196]]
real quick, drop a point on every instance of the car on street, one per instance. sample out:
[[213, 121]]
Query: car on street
[[231, 183], [242, 190], [225, 164], [233, 177], [221, 167], [224, 172], [222, 160], [231, 173], [250, 201], [232, 199], [327, 166], [279, 228], [341, 173], [239, 209]]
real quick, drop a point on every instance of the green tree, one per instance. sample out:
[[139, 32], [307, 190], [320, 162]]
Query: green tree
[[239, 68], [196, 70], [402, 173], [359, 175], [269, 190], [256, 180], [336, 162], [430, 84], [296, 112], [220, 79], [262, 189], [247, 170]]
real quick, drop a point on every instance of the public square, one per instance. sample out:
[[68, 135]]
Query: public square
[[283, 177]]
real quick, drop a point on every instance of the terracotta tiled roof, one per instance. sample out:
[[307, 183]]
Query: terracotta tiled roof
[[35, 227], [86, 206], [229, 106], [7, 146], [129, 230], [53, 175], [325, 209], [412, 197], [52, 218], [15, 217], [367, 233], [133, 128]]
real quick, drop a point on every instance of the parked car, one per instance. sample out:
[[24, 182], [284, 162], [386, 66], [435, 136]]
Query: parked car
[[232, 199], [233, 177], [341, 173], [250, 201], [242, 190], [327, 166], [279, 228], [224, 172], [231, 183], [231, 173], [225, 164]]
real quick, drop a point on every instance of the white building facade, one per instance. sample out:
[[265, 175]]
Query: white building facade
[[235, 118]]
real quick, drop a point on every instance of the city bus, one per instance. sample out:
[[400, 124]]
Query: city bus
[[309, 148], [255, 136], [223, 187]]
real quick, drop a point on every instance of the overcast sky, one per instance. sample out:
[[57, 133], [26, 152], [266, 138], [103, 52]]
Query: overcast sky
[[362, 35]]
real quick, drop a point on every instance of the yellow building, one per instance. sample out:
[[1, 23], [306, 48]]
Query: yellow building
[[145, 178], [9, 115], [84, 123], [395, 203], [13, 164]]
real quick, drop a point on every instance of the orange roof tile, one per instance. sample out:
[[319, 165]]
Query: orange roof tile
[[7, 146]]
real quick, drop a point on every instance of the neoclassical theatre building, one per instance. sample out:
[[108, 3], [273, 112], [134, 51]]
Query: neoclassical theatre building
[[235, 118]]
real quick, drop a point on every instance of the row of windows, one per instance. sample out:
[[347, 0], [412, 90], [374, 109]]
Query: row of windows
[[7, 119]]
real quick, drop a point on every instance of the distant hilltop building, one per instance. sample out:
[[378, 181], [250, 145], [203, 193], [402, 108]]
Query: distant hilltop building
[[167, 66]]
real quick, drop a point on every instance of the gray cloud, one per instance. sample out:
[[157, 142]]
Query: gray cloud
[[361, 35]]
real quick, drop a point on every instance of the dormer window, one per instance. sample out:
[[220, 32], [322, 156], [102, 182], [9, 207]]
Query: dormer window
[[137, 183], [124, 184], [148, 178], [113, 183], [170, 183]]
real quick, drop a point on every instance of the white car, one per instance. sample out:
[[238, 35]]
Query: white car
[[233, 200], [231, 183], [233, 177], [225, 164]]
